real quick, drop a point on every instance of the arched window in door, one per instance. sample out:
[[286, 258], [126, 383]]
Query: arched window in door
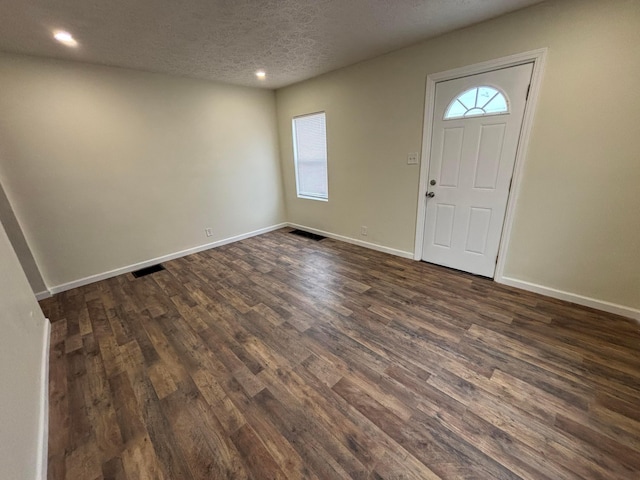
[[477, 102]]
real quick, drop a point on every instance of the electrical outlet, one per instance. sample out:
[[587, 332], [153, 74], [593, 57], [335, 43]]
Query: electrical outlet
[[412, 158], [363, 231], [208, 232]]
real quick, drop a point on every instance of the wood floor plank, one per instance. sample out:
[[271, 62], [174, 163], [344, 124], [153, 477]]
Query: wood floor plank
[[162, 382], [255, 454], [139, 460], [280, 449], [80, 429], [114, 470], [282, 357], [292, 428], [304, 417], [58, 402], [102, 414], [84, 461]]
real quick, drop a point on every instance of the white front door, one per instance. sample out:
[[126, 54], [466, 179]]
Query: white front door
[[476, 128]]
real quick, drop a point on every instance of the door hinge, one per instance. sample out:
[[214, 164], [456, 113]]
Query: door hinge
[[528, 90]]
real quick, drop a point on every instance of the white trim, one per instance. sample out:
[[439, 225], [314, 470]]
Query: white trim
[[429, 106], [165, 258], [43, 420], [354, 241], [538, 58], [42, 295], [572, 297]]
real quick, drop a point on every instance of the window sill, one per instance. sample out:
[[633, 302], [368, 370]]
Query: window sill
[[308, 197]]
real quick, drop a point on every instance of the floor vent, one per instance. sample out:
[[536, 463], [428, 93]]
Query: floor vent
[[148, 270], [310, 235]]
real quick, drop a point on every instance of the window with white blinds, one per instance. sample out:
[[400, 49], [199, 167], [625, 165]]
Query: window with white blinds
[[310, 156]]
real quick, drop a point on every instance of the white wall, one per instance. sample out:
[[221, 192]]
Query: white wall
[[577, 225], [108, 167], [22, 346]]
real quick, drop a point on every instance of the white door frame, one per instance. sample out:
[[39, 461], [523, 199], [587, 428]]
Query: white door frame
[[538, 58]]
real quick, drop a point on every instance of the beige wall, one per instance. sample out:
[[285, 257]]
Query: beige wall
[[19, 244], [21, 373], [108, 167], [577, 225]]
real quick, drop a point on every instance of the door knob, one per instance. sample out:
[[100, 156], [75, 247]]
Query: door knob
[[431, 194]]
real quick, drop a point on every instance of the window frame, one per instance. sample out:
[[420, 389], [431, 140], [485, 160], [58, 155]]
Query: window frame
[[294, 142]]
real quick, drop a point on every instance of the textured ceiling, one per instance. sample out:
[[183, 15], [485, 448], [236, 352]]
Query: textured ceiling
[[228, 40]]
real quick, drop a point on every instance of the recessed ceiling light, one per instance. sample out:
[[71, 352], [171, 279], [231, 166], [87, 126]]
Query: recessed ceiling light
[[65, 38], [261, 74]]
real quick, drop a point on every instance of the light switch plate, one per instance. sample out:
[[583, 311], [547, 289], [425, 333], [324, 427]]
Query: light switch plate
[[412, 158]]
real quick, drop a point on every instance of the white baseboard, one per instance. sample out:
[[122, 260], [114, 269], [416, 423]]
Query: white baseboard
[[165, 258], [572, 297], [513, 282], [43, 295], [43, 420], [354, 241]]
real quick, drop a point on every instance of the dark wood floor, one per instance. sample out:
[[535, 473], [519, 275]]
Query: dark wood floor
[[280, 357]]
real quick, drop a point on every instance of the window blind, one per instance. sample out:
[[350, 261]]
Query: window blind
[[310, 155]]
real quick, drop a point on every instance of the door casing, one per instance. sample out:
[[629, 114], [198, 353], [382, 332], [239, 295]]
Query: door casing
[[537, 57]]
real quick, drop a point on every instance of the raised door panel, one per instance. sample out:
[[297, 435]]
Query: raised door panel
[[443, 230], [488, 156], [451, 156]]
